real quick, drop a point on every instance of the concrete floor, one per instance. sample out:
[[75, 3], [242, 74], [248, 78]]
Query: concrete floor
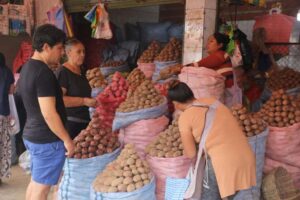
[[14, 188]]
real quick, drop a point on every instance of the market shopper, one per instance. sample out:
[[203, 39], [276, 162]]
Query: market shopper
[[44, 134], [6, 88], [230, 163], [76, 88]]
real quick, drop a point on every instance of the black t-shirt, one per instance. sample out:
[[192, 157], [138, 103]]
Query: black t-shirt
[[6, 79], [76, 86], [37, 80]]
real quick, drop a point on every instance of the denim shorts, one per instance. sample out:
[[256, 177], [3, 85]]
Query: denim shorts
[[47, 161]]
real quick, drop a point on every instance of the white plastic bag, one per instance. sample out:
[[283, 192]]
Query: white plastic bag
[[25, 162], [14, 118]]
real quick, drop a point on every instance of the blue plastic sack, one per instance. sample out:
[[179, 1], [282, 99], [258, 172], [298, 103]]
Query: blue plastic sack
[[176, 188], [106, 71], [258, 145], [125, 119], [96, 91], [80, 173], [145, 193], [160, 66]]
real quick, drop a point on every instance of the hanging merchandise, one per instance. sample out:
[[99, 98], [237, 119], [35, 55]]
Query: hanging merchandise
[[99, 19], [261, 3], [58, 17]]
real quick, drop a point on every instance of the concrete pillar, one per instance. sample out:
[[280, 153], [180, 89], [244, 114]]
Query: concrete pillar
[[200, 22]]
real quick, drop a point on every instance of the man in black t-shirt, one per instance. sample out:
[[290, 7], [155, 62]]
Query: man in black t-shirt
[[45, 136]]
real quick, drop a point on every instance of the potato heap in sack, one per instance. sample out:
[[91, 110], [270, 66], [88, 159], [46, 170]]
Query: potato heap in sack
[[150, 53], [251, 124], [171, 52], [113, 63], [286, 78], [145, 96], [126, 174], [281, 110], [95, 78], [95, 141], [110, 99], [135, 79], [168, 144]]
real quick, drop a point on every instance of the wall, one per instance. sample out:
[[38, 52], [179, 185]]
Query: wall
[[172, 12], [9, 47]]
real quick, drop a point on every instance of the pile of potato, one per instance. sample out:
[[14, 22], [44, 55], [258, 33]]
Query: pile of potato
[[171, 52], [113, 63], [145, 96], [281, 110], [95, 78], [150, 53], [168, 144], [251, 124], [135, 78], [126, 174], [286, 78], [94, 141], [110, 99]]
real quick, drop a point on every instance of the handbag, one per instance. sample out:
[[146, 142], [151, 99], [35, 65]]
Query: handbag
[[191, 187], [14, 117]]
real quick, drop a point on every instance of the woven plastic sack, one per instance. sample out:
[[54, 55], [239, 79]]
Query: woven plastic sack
[[167, 167], [204, 82], [122, 120], [79, 175], [161, 65], [283, 149], [142, 132], [258, 145], [147, 68], [96, 91], [106, 71], [279, 185], [145, 193]]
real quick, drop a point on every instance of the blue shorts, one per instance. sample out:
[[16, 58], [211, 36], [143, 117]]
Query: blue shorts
[[47, 161]]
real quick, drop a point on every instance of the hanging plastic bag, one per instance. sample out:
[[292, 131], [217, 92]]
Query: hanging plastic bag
[[25, 162], [14, 117]]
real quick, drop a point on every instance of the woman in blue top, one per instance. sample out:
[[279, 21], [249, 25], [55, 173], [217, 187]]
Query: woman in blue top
[[6, 87]]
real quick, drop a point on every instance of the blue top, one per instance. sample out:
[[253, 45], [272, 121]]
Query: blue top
[[6, 79]]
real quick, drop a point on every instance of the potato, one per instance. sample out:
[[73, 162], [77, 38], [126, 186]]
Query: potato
[[112, 189], [117, 182], [130, 187]]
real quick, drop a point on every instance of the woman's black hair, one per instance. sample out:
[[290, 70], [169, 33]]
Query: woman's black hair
[[222, 39], [2, 60], [180, 92]]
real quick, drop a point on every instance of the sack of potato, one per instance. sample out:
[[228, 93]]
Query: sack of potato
[[95, 78], [165, 157], [95, 148], [110, 67], [128, 177], [285, 79], [142, 132], [110, 99], [257, 132], [135, 79], [169, 56], [146, 103], [146, 61]]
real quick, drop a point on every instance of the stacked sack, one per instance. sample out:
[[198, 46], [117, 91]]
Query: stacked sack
[[110, 67], [141, 116], [146, 61], [204, 82], [165, 157], [95, 147], [128, 177], [170, 55], [110, 99], [282, 113], [257, 132]]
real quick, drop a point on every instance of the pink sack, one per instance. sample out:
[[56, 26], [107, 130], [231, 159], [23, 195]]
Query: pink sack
[[141, 133], [147, 68], [167, 167], [204, 82], [283, 149]]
